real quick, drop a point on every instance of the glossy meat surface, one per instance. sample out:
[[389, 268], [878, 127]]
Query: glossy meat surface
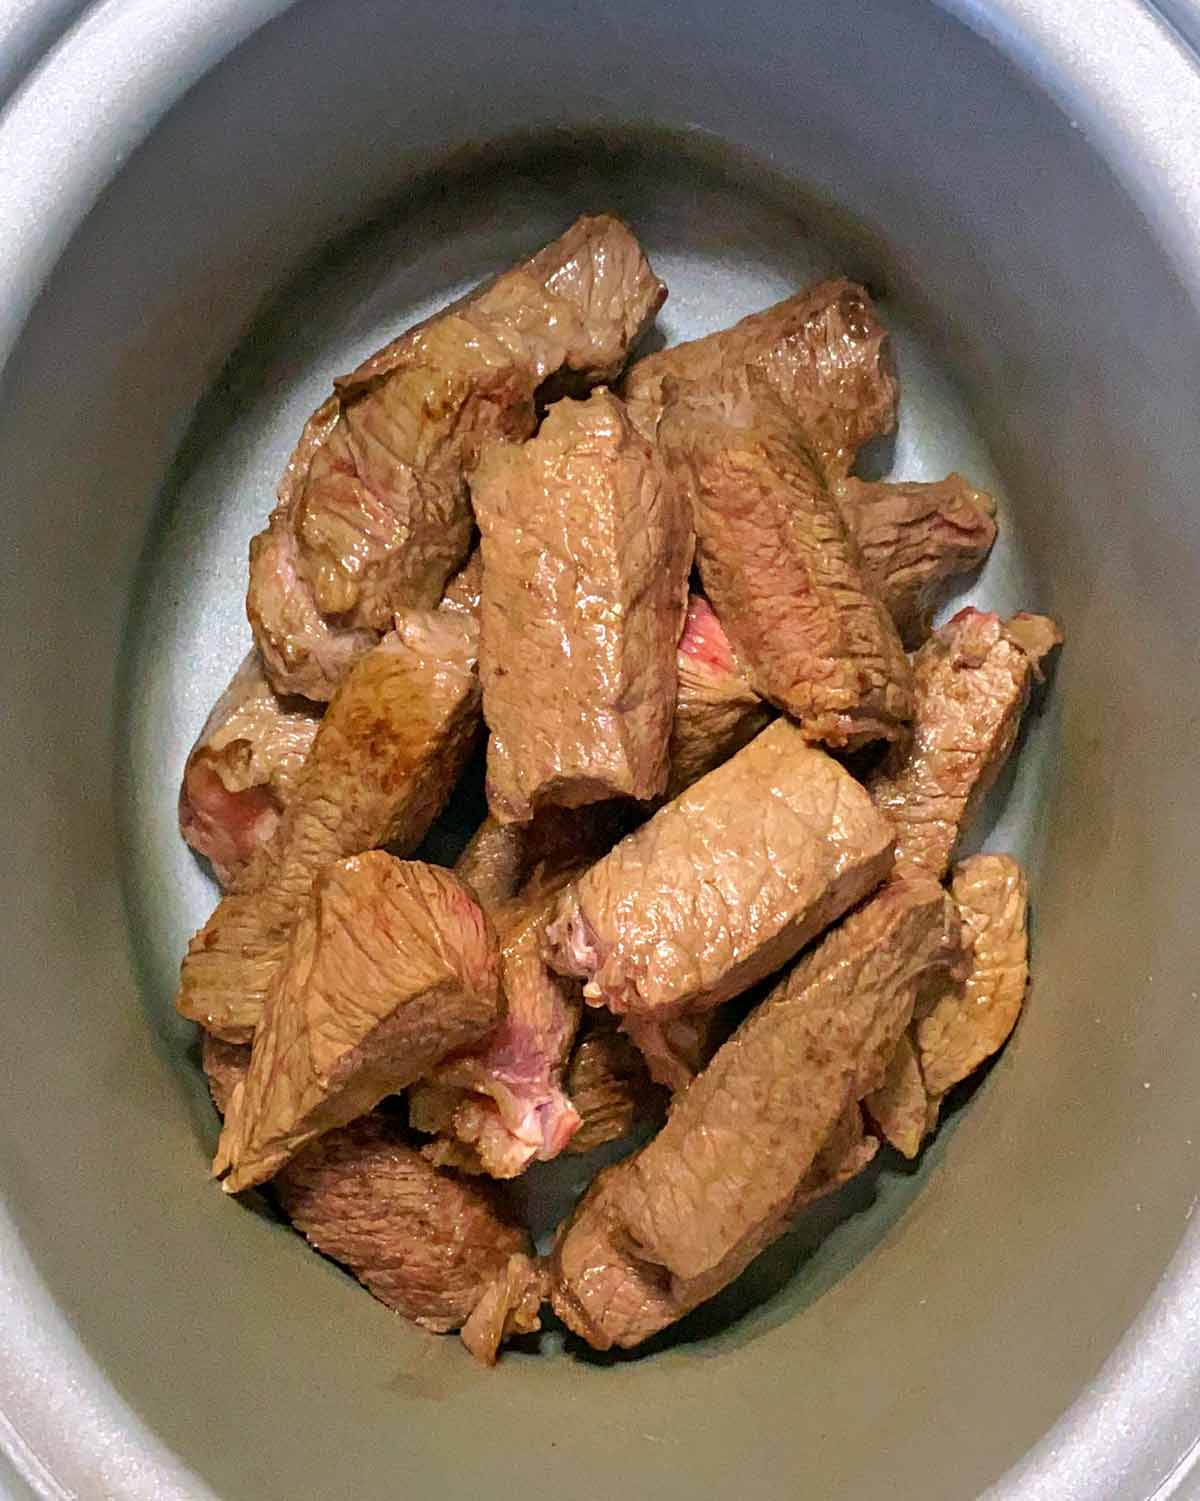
[[586, 547], [373, 513]]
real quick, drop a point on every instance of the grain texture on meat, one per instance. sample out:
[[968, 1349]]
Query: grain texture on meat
[[608, 1084], [391, 966], [422, 1241], [772, 1119], [373, 512], [823, 352], [384, 761], [973, 680], [972, 1021], [504, 1099], [243, 770], [782, 570], [586, 545], [716, 710], [915, 540], [724, 884]]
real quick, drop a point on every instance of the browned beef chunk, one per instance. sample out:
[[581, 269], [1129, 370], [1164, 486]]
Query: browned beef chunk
[[716, 710], [225, 1065], [967, 1017], [246, 761], [916, 539], [781, 569], [504, 1099], [586, 545], [724, 884], [743, 1148], [608, 1084], [510, 1305], [373, 513], [823, 352], [242, 771], [464, 589], [901, 1107], [973, 680], [500, 858], [391, 966], [424, 1242], [384, 761], [971, 1021]]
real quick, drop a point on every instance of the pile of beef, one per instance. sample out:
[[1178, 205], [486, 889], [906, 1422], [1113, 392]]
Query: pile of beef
[[723, 744]]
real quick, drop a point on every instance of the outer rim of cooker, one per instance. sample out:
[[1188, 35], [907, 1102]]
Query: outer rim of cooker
[[1127, 73]]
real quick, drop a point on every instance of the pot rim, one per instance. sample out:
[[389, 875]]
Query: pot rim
[[1126, 73]]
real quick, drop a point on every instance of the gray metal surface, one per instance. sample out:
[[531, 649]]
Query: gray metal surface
[[154, 1341]]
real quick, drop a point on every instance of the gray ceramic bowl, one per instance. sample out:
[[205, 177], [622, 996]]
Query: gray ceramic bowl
[[206, 209]]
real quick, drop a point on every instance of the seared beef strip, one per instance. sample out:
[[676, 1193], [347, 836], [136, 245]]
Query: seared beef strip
[[504, 1098], [823, 352], [586, 546], [914, 540], [966, 1019], [970, 1022], [434, 1248], [973, 680], [424, 1242], [724, 884], [385, 759], [716, 710], [391, 966], [373, 513], [782, 570], [243, 770], [742, 1149], [608, 1084]]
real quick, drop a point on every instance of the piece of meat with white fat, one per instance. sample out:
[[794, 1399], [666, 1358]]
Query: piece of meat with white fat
[[587, 545], [373, 513], [391, 966], [716, 710], [609, 1085], [782, 570], [823, 352], [424, 1242], [914, 540], [972, 1021], [723, 885], [745, 1147], [243, 769], [973, 680], [386, 757], [504, 1099]]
